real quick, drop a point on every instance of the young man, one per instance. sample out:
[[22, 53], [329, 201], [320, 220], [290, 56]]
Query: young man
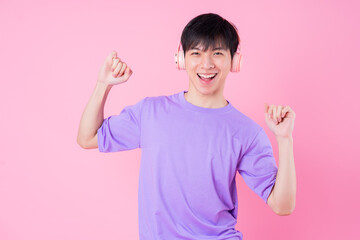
[[193, 142]]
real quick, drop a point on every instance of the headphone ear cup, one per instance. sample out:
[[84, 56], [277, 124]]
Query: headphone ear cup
[[241, 60], [237, 60], [180, 58]]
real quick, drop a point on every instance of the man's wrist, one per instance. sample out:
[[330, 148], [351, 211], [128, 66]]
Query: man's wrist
[[102, 85], [282, 138]]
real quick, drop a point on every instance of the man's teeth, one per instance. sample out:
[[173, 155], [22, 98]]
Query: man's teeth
[[206, 76]]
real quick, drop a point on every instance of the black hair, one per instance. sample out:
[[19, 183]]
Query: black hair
[[210, 29]]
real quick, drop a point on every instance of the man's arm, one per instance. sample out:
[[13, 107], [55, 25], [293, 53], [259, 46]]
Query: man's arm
[[93, 116], [283, 195], [113, 71]]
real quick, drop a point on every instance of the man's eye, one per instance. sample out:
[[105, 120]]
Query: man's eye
[[195, 53]]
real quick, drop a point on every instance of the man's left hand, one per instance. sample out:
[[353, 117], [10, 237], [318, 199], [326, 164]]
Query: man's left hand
[[280, 119]]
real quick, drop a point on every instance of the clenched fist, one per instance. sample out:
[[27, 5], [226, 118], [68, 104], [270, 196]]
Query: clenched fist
[[113, 71]]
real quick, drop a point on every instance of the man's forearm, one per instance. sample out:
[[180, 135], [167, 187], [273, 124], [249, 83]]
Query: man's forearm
[[93, 115], [284, 192]]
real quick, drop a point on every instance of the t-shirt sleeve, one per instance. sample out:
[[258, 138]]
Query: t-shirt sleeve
[[257, 166], [121, 132]]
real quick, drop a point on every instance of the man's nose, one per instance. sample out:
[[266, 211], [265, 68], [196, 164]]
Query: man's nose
[[207, 62]]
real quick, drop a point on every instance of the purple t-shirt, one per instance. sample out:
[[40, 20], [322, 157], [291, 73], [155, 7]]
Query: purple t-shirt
[[189, 159]]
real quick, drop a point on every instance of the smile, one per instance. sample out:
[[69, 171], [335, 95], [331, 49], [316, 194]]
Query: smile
[[206, 77]]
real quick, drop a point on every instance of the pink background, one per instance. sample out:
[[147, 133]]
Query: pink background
[[304, 54]]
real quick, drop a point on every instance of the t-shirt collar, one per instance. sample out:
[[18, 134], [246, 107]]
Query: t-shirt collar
[[195, 108]]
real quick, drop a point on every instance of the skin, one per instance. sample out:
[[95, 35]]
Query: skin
[[212, 61], [280, 120], [113, 71]]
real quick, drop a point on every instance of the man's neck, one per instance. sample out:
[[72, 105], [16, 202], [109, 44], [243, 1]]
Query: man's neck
[[205, 101]]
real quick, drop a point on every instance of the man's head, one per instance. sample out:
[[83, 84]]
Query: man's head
[[209, 30], [209, 43]]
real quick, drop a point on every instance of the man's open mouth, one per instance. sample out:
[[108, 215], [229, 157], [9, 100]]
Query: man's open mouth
[[206, 77]]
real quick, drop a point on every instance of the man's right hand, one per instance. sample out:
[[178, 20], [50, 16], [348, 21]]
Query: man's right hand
[[113, 71]]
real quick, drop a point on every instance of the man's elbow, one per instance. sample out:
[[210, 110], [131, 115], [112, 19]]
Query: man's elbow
[[283, 209], [80, 143], [88, 144], [286, 212]]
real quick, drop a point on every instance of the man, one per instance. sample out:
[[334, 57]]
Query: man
[[193, 142]]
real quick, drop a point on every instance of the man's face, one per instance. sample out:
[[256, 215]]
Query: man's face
[[213, 61]]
